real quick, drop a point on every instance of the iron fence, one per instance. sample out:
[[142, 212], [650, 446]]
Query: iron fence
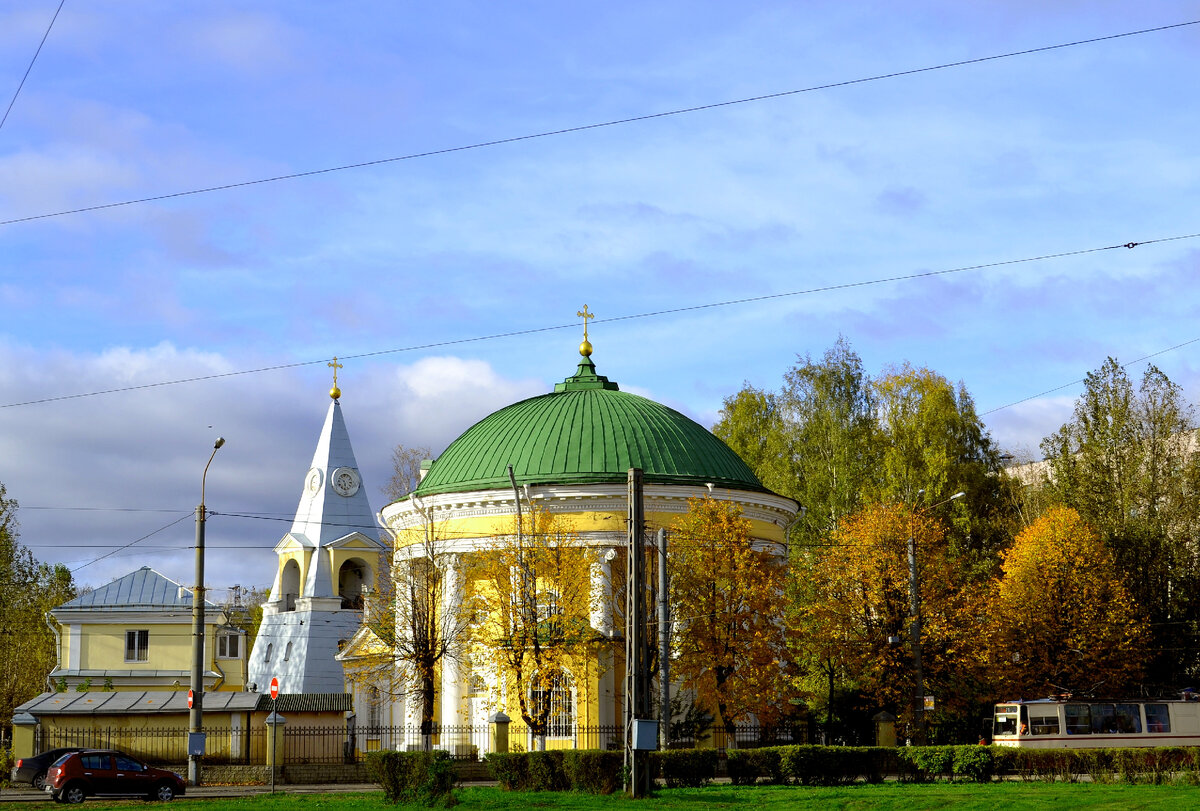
[[351, 743], [161, 745]]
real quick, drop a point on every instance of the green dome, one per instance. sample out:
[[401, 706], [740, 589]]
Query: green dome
[[587, 431]]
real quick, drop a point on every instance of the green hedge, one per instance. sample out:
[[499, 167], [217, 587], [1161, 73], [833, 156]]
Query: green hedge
[[420, 777], [599, 772], [684, 768], [594, 771]]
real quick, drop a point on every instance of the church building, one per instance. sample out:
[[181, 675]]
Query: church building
[[569, 451]]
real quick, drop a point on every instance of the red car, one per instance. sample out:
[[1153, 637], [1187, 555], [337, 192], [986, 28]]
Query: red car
[[108, 773]]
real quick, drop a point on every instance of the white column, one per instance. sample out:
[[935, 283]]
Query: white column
[[452, 677], [602, 620]]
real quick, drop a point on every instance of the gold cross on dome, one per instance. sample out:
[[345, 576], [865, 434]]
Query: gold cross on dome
[[585, 315], [335, 366]]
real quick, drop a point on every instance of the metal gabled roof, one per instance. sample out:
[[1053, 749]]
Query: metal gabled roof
[[140, 590]]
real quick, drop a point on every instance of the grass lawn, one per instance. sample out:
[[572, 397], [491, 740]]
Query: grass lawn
[[886, 796]]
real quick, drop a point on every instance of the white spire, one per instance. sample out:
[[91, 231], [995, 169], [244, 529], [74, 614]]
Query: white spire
[[333, 502]]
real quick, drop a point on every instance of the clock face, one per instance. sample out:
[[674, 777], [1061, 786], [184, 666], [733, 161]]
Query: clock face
[[313, 480], [345, 481]]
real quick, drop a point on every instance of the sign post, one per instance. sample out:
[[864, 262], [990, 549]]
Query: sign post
[[274, 726]]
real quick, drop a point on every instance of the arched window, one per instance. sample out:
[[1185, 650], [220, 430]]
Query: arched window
[[289, 584], [270, 648], [287, 652], [554, 691]]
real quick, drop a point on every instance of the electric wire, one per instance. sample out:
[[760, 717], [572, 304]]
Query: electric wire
[[21, 84], [598, 125], [829, 288]]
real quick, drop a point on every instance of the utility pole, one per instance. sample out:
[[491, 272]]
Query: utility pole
[[636, 683], [196, 694], [914, 613], [664, 643]]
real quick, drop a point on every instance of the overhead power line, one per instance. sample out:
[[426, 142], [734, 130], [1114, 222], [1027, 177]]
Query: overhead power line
[[633, 316], [21, 84], [598, 125]]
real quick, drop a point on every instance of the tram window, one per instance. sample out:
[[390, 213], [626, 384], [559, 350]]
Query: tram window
[[1103, 719], [1006, 721], [1043, 724], [1128, 718], [1078, 720], [1158, 718]]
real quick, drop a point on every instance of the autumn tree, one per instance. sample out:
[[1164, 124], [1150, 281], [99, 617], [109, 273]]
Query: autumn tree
[[1128, 461], [1060, 619], [421, 616], [727, 595], [853, 613], [28, 589], [533, 584]]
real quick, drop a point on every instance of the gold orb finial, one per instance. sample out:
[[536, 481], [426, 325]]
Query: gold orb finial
[[335, 392], [585, 349]]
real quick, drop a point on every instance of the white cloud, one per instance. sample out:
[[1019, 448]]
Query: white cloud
[[96, 473]]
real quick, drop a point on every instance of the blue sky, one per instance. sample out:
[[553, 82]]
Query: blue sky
[[1059, 151]]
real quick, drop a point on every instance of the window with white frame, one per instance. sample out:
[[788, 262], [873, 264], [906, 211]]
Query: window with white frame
[[137, 646], [229, 646], [554, 690]]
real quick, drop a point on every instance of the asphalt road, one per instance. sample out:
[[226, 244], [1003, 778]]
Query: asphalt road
[[28, 795]]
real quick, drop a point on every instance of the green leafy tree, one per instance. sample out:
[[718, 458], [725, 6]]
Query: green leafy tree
[[28, 589], [1128, 461], [933, 444], [814, 440]]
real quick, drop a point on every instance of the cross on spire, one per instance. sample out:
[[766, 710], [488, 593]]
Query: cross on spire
[[585, 315]]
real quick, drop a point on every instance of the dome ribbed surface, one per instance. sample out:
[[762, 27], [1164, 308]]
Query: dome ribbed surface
[[586, 431]]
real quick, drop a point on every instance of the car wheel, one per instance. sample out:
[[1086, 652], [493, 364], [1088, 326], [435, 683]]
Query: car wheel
[[39, 781], [73, 793], [164, 793]]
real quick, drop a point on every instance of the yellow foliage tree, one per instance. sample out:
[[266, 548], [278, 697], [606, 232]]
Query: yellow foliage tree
[[727, 595], [1061, 619], [852, 615], [534, 587]]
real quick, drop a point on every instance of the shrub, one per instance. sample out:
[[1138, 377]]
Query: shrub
[[529, 771], [6, 766], [415, 777], [745, 766], [685, 768], [593, 771], [974, 763]]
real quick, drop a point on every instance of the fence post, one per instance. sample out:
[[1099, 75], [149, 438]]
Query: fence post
[[498, 732], [24, 725], [275, 747]]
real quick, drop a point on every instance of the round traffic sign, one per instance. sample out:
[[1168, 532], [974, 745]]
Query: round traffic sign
[[189, 699], [274, 691]]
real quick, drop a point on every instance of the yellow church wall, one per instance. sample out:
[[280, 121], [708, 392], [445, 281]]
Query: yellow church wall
[[582, 522]]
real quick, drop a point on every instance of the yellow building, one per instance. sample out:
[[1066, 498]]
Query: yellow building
[[136, 634], [565, 454]]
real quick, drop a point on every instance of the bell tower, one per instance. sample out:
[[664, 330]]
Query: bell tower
[[328, 562]]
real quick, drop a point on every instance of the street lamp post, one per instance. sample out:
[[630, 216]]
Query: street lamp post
[[914, 610], [196, 712]]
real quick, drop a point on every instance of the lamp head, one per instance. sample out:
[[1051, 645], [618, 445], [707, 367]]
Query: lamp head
[[220, 441]]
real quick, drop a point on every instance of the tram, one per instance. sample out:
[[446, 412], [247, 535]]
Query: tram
[[1069, 723]]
